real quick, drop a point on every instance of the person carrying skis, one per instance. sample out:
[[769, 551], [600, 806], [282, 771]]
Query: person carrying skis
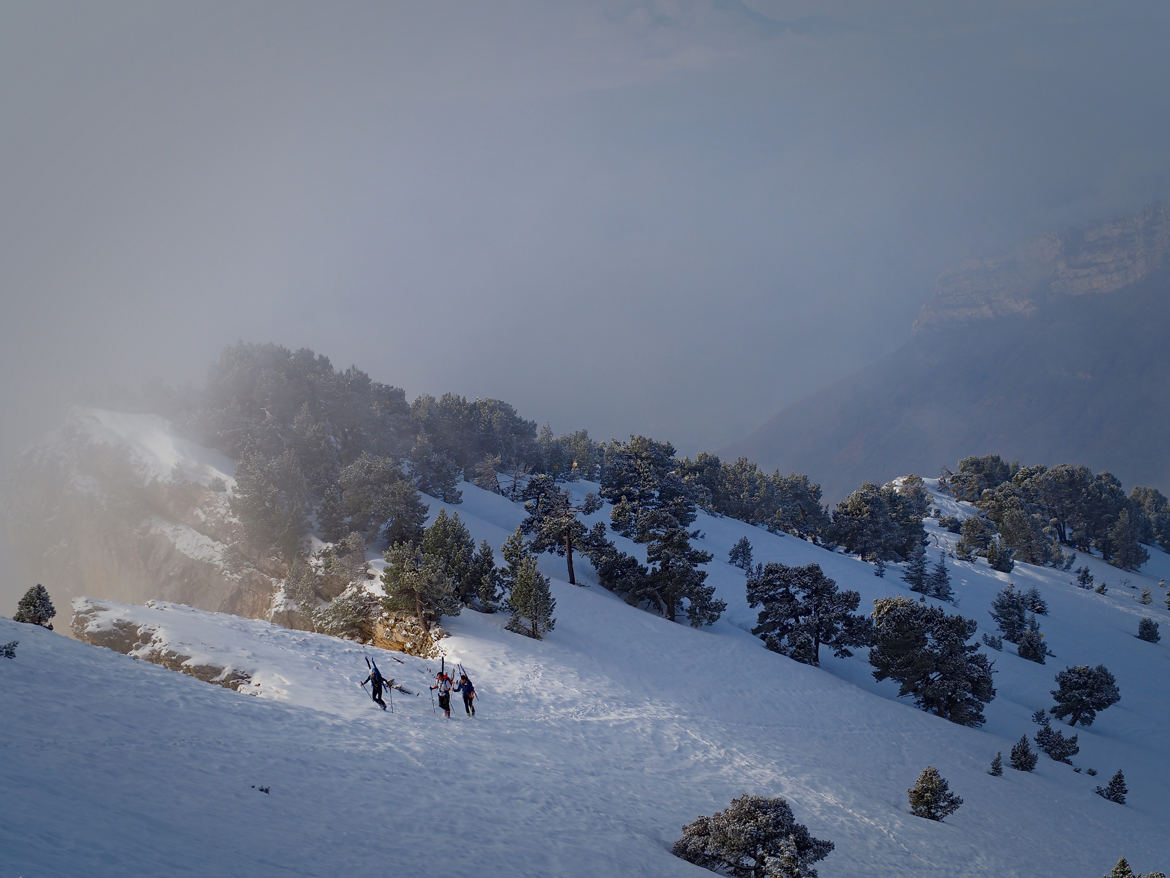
[[444, 687], [464, 686], [376, 683]]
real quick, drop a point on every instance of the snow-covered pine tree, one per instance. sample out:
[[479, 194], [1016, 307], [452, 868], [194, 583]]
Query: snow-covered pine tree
[[1123, 870], [931, 796], [8, 650], [1022, 756], [755, 836], [35, 608], [927, 653], [1115, 790], [1082, 691], [802, 610]]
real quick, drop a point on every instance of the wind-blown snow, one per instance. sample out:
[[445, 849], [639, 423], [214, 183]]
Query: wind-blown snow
[[590, 750]]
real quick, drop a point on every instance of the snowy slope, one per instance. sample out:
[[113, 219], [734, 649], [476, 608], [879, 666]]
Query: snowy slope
[[591, 748]]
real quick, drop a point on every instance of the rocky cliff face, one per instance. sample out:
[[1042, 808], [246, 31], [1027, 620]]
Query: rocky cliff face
[[1103, 259], [90, 514]]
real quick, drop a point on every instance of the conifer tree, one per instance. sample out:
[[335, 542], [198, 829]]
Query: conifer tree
[[1031, 645], [802, 610], [741, 554], [931, 796], [485, 573], [1022, 756], [1145, 599], [1053, 742], [1082, 691], [35, 607], [1115, 790], [755, 837], [1009, 610], [927, 653], [915, 574], [938, 582], [449, 544], [416, 584], [1123, 870], [552, 521], [996, 769], [531, 601], [1148, 630]]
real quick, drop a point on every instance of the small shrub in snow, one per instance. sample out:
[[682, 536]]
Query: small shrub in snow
[[1148, 631], [8, 650], [1023, 757], [1145, 598], [1115, 790], [1101, 588], [931, 797], [1084, 577], [755, 837], [993, 641]]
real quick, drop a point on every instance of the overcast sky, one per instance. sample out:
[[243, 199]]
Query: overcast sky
[[669, 218]]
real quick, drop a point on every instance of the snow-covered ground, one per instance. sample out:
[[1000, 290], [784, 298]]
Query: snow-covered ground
[[591, 748]]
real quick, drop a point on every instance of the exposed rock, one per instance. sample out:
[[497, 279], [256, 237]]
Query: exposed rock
[[95, 622], [1103, 259], [402, 633]]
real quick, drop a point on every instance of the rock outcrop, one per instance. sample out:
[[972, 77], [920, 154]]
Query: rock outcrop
[[1103, 259], [99, 623]]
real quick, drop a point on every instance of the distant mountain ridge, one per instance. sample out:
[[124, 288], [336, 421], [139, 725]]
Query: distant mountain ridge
[[1054, 352]]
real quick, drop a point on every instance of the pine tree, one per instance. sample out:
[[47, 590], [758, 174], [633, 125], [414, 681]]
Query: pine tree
[[938, 583], [531, 601], [8, 650], [1023, 757], [552, 521], [1115, 790], [931, 797], [927, 653], [484, 572], [449, 544], [915, 573], [1082, 692], [35, 608], [416, 584], [1123, 870], [1009, 609], [1053, 742], [1000, 556], [741, 554], [997, 765], [803, 610], [1145, 599], [1148, 630], [755, 837], [1031, 645]]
